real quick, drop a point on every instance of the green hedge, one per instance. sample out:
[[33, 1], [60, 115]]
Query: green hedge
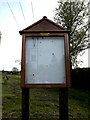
[[80, 78]]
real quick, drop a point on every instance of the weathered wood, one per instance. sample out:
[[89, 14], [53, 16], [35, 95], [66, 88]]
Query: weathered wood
[[23, 63], [63, 104], [45, 27], [52, 34], [25, 103]]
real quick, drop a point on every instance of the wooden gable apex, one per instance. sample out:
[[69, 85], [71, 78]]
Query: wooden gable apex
[[44, 25]]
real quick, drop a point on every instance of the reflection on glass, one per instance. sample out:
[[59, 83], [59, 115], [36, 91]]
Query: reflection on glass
[[45, 60]]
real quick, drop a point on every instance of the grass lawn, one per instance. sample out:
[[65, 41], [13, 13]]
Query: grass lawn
[[44, 102]]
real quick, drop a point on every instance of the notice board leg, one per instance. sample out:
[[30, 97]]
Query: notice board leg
[[25, 103], [63, 104]]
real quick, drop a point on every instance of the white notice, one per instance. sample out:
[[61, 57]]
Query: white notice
[[45, 60]]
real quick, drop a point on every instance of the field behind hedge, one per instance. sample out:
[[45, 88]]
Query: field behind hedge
[[44, 103]]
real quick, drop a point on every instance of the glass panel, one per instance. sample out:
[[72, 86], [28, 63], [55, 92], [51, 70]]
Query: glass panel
[[45, 60]]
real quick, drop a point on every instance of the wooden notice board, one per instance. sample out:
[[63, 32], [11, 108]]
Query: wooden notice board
[[45, 56]]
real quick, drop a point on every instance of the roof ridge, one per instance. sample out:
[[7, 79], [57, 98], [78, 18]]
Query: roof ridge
[[41, 20]]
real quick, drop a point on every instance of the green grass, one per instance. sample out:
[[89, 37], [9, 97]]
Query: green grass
[[78, 103], [44, 102], [11, 97]]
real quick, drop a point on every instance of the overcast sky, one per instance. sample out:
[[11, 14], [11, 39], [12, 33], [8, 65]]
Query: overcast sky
[[12, 21]]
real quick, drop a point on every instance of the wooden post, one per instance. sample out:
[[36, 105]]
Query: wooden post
[[63, 104], [25, 103]]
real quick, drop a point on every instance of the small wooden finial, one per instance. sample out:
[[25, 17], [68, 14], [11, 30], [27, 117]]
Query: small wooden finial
[[45, 17]]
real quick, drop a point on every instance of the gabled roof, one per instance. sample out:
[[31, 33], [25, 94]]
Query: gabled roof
[[44, 25]]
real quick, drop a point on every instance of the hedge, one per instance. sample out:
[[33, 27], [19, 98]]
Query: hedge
[[80, 78]]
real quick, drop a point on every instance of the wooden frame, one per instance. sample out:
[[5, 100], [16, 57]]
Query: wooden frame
[[67, 62]]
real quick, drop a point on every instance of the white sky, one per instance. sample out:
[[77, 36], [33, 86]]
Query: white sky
[[11, 42]]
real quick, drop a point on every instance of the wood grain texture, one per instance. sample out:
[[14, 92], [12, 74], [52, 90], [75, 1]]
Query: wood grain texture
[[63, 104], [25, 103], [67, 60]]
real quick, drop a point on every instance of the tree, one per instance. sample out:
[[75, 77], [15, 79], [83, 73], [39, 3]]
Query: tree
[[14, 70], [74, 16], [18, 61]]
